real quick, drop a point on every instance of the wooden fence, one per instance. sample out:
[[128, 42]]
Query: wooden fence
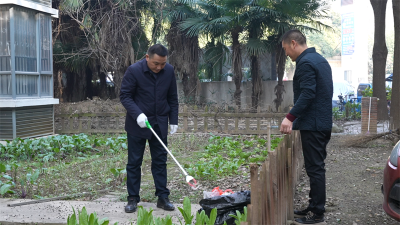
[[273, 188], [215, 119]]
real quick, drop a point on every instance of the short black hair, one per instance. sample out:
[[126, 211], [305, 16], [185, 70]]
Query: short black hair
[[157, 49], [294, 35]]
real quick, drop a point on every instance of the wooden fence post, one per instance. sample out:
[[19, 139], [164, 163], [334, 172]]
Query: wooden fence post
[[216, 119], [71, 119], [236, 118], [80, 120], [269, 137], [274, 187], [185, 119], [255, 196], [205, 119]]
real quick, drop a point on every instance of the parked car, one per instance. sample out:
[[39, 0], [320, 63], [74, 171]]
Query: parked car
[[391, 184]]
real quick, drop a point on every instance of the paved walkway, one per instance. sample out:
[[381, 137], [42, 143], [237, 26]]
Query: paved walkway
[[57, 212]]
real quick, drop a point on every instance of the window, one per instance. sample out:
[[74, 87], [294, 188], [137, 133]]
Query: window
[[27, 85], [25, 40], [347, 2], [45, 22], [347, 76], [5, 48], [5, 85], [45, 85]]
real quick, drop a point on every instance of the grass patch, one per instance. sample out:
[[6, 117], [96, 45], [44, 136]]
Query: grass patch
[[69, 165]]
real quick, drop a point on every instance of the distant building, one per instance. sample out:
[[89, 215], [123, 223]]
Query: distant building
[[354, 60], [26, 69]]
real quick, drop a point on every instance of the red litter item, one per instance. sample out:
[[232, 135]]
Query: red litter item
[[220, 192]]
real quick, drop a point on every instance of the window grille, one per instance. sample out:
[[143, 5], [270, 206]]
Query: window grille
[[45, 22], [5, 51], [45, 87], [27, 85], [5, 85], [25, 40]]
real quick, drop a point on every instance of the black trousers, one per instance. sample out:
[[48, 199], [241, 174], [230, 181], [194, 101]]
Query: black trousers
[[136, 146], [314, 150]]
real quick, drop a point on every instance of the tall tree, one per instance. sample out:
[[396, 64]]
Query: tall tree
[[223, 17], [304, 15], [108, 28], [395, 104], [184, 49], [72, 72], [379, 56]]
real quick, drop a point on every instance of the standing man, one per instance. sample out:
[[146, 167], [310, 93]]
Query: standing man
[[149, 93], [312, 115]]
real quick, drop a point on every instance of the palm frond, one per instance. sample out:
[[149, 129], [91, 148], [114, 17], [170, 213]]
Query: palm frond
[[256, 47]]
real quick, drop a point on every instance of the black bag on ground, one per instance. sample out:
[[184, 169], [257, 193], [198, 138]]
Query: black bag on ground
[[226, 204]]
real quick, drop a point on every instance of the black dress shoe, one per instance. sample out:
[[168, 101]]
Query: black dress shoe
[[301, 213], [311, 218], [165, 204], [131, 206]]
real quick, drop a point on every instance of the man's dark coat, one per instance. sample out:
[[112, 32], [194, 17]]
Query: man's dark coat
[[155, 95], [313, 91]]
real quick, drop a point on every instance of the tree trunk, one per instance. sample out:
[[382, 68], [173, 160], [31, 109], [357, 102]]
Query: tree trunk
[[237, 64], [89, 85], [280, 59], [184, 56], [379, 56], [395, 104], [256, 81], [102, 86]]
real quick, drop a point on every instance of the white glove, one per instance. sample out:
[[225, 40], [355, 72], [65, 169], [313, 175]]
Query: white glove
[[141, 120], [174, 128]]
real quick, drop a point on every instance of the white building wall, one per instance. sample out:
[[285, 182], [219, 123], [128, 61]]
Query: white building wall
[[222, 92], [355, 64]]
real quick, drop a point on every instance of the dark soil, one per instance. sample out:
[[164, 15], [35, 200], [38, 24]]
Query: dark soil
[[354, 177]]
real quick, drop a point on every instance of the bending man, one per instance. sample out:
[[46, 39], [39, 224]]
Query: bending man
[[149, 93]]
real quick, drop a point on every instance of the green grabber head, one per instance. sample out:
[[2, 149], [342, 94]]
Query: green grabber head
[[148, 124]]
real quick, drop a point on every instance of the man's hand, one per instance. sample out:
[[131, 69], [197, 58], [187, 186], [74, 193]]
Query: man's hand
[[174, 128], [286, 126], [141, 120]]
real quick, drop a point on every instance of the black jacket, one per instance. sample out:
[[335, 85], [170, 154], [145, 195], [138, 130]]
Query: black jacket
[[313, 90], [155, 96]]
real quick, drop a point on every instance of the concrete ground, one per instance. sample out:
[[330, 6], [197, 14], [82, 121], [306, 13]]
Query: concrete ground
[[57, 212]]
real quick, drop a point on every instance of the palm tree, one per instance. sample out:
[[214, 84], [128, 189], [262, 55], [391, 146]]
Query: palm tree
[[303, 15], [261, 18], [223, 17], [183, 49], [216, 55]]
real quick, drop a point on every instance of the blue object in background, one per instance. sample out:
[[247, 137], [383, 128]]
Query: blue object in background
[[362, 87]]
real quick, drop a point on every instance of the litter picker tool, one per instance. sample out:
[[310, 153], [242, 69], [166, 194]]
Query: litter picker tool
[[189, 179]]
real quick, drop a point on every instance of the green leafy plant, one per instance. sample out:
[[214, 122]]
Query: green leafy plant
[[186, 211], [28, 181], [224, 156], [388, 93], [119, 175], [240, 217], [367, 92], [7, 184], [59, 147], [202, 218], [85, 219], [145, 217]]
